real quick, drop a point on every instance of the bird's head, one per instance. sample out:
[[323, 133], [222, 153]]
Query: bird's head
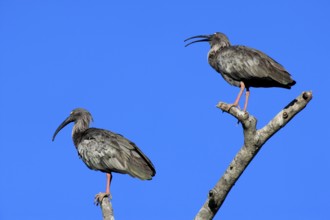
[[216, 39], [81, 117]]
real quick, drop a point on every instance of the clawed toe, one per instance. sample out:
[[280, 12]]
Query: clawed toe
[[233, 105], [100, 196]]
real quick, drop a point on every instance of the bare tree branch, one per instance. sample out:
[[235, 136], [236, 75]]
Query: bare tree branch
[[106, 206], [253, 141]]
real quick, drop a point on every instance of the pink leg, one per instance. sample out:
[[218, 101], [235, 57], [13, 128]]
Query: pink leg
[[247, 94], [242, 86], [109, 177], [100, 196]]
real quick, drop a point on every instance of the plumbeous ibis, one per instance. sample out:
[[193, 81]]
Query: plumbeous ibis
[[106, 151], [244, 67]]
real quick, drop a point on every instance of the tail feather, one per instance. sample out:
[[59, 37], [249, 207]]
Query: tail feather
[[140, 169]]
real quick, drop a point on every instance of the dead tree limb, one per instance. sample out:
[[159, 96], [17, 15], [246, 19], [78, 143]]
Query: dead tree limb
[[102, 199], [253, 141]]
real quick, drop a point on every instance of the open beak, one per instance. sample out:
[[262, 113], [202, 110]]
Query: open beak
[[207, 38], [67, 121]]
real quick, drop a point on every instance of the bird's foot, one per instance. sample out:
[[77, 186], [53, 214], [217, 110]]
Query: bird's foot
[[100, 196], [239, 108], [233, 105]]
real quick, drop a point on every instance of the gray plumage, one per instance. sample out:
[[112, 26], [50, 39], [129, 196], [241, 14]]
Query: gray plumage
[[106, 151], [241, 64]]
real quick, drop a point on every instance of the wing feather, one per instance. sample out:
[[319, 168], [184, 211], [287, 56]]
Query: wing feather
[[253, 67], [109, 152]]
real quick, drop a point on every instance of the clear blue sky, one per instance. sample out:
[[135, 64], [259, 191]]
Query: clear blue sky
[[125, 62]]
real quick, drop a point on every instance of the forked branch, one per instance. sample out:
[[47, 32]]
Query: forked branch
[[253, 141]]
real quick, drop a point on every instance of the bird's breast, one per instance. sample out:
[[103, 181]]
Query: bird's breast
[[212, 59], [223, 66]]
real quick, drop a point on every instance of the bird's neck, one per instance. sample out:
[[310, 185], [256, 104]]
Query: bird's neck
[[78, 129], [213, 53]]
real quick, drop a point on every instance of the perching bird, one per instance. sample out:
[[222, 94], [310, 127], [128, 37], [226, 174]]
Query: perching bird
[[106, 151], [244, 67]]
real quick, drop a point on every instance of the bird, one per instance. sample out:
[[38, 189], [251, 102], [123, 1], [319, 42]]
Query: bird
[[242, 66], [105, 151]]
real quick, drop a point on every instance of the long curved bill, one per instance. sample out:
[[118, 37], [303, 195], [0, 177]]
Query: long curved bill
[[206, 38], [67, 121]]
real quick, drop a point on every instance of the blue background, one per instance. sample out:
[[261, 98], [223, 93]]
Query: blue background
[[125, 62]]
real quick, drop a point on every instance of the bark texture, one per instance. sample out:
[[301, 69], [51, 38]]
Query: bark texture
[[102, 199], [253, 141]]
